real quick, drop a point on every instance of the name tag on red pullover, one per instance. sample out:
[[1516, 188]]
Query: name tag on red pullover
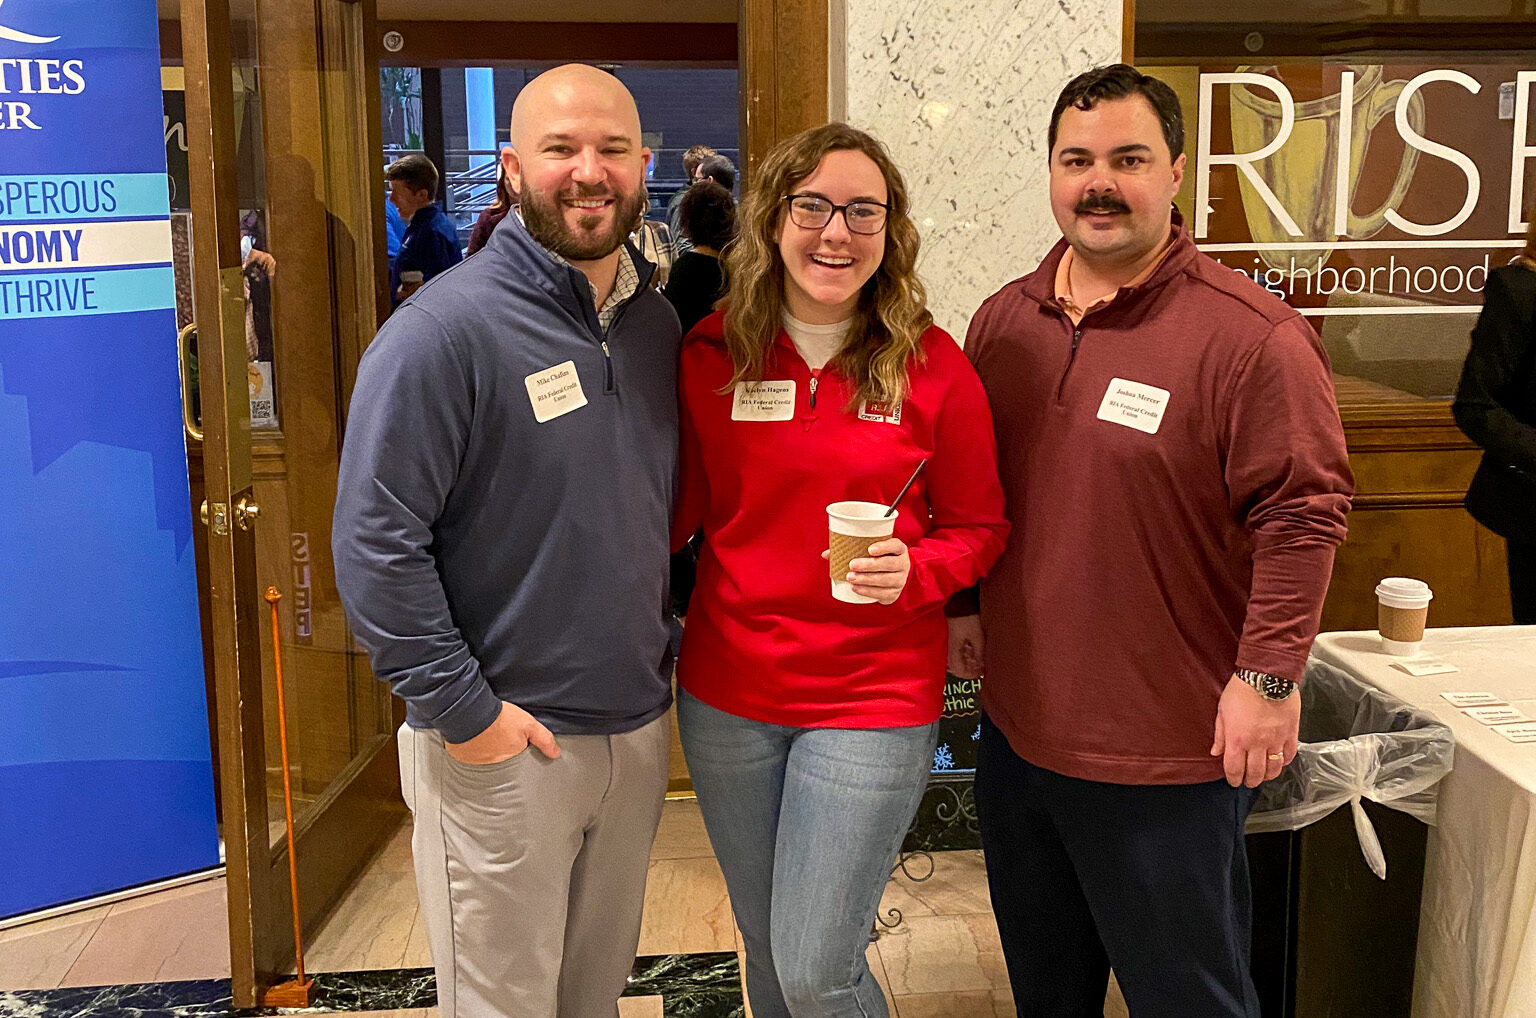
[[764, 401], [1134, 404]]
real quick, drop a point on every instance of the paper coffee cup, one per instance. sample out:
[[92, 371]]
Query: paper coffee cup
[[1402, 608], [851, 528]]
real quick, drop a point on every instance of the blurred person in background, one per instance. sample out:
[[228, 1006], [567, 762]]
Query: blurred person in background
[[430, 244], [708, 217], [493, 214], [691, 160], [719, 169], [1496, 408]]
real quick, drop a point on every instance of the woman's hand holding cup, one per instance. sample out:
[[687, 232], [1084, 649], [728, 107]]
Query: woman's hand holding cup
[[883, 575]]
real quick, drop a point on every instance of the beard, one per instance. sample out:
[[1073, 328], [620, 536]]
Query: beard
[[589, 241]]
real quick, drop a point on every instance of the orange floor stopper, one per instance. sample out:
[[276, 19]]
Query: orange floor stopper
[[295, 992]]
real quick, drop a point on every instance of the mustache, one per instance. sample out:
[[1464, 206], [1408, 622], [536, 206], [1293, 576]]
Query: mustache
[[589, 191], [1101, 203]]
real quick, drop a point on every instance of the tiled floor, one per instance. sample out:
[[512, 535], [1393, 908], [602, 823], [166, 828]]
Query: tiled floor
[[943, 960]]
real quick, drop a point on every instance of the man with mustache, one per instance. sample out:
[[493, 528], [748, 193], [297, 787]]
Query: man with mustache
[[1177, 482], [501, 547]]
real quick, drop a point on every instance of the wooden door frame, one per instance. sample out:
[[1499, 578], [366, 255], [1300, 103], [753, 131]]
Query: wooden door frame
[[783, 65], [207, 56], [362, 803]]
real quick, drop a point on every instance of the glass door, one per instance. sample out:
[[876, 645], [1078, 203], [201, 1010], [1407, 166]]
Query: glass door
[[284, 280]]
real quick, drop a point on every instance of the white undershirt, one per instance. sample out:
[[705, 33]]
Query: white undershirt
[[816, 344]]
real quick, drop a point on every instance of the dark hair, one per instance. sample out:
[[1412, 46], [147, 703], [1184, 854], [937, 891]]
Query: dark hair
[[719, 169], [707, 215], [416, 170], [694, 156], [1117, 81], [504, 199]]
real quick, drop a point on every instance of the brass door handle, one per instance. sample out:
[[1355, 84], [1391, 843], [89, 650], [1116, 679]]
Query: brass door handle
[[246, 512], [183, 370]]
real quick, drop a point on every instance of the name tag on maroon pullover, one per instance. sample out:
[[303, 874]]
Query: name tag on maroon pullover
[[1134, 404]]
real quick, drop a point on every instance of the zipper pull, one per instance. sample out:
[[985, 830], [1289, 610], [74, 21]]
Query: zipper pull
[[607, 367], [815, 381]]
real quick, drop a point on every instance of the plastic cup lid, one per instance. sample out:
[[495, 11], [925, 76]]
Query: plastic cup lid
[[1403, 588], [859, 511]]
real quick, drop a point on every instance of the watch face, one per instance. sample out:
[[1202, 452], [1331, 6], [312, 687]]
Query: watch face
[[1271, 687]]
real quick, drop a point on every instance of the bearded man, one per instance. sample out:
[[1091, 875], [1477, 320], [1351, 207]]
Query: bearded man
[[501, 548]]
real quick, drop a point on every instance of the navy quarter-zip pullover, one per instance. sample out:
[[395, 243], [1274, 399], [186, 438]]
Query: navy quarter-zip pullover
[[506, 490]]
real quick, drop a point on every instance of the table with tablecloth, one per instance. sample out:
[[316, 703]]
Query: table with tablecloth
[[1477, 926]]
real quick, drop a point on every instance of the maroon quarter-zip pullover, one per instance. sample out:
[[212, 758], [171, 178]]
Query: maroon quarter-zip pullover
[[1175, 474]]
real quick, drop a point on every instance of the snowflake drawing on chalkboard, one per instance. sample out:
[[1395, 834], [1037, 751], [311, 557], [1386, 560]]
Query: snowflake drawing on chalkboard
[[943, 759], [976, 735]]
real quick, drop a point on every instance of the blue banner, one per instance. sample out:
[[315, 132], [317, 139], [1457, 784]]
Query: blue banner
[[106, 780]]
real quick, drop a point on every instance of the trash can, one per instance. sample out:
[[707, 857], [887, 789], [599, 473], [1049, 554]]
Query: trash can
[[1334, 929]]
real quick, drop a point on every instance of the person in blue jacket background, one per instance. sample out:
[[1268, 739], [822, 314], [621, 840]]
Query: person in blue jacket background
[[430, 244]]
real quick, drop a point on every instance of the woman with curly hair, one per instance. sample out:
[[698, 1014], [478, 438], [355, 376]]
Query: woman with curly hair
[[809, 721]]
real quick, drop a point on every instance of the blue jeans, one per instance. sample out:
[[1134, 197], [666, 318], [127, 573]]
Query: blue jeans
[[806, 824]]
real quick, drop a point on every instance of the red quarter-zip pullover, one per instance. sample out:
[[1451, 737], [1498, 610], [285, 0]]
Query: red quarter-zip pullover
[[765, 639]]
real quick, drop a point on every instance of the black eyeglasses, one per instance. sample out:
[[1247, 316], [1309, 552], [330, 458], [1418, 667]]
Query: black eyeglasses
[[813, 212]]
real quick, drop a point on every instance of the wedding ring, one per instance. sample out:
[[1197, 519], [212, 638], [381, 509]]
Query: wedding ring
[[1277, 756]]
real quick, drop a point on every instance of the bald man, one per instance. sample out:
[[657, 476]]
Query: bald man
[[501, 549]]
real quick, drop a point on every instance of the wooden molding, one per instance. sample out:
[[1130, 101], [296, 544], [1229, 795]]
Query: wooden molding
[[478, 43], [784, 72], [1216, 43], [1128, 32]]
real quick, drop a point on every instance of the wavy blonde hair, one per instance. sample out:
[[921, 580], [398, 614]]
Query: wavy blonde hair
[[892, 311]]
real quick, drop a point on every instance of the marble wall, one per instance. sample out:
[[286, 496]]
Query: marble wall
[[961, 92]]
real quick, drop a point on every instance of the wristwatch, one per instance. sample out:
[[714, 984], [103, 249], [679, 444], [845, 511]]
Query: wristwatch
[[1271, 687]]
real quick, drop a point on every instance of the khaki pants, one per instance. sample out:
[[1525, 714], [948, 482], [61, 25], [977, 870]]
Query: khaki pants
[[531, 872]]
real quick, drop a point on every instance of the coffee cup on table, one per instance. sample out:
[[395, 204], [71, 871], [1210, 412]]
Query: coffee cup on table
[[1402, 608], [851, 528]]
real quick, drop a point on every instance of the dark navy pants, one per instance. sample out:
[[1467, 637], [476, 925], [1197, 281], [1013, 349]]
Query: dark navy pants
[[1150, 880]]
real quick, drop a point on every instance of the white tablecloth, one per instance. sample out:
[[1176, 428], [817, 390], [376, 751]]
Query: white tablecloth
[[1477, 927]]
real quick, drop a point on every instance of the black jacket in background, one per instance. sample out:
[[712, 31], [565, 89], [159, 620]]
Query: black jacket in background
[[1496, 405], [696, 282]]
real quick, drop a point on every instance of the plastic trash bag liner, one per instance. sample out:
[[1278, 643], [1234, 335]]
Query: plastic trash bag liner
[[1356, 743]]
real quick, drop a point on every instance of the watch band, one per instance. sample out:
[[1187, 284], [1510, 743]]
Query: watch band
[[1271, 687]]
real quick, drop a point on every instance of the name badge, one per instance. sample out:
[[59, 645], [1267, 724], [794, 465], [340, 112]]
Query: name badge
[[1517, 733], [1134, 404], [555, 391], [764, 401], [1499, 715], [884, 413]]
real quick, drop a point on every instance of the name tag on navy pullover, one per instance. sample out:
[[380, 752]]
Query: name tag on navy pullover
[[555, 391]]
